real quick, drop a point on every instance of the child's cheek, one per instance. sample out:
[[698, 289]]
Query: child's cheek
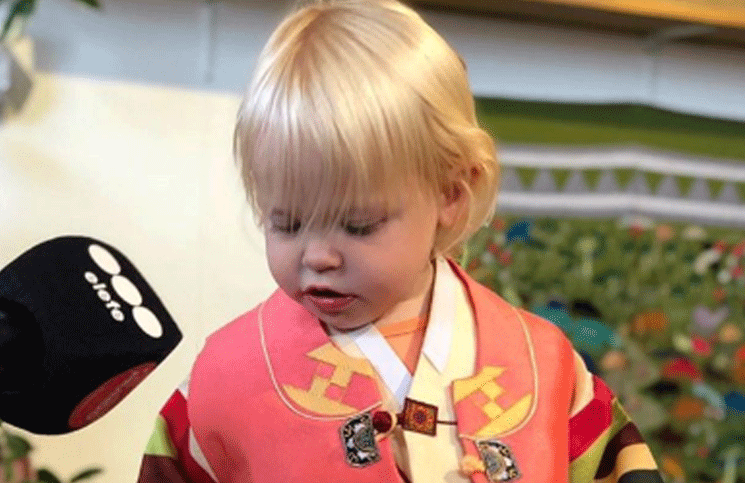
[[280, 265]]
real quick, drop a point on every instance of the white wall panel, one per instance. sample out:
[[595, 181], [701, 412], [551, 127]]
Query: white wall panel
[[242, 28], [509, 59], [214, 46], [149, 170], [157, 41], [709, 81]]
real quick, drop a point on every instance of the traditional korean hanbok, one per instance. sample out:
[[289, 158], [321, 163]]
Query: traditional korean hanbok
[[497, 395]]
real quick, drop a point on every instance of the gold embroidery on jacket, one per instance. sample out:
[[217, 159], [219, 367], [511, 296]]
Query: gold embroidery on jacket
[[500, 419], [315, 398]]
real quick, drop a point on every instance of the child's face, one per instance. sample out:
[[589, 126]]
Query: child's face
[[367, 268]]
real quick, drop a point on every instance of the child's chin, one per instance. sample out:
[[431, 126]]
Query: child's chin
[[343, 324]]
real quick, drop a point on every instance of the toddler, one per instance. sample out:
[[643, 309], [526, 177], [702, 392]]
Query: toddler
[[379, 359]]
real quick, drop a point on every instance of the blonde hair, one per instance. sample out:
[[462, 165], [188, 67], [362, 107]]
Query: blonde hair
[[353, 98]]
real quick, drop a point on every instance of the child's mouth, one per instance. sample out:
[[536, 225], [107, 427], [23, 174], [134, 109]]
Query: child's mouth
[[328, 301], [323, 292]]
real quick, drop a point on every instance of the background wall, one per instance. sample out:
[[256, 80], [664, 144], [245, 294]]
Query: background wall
[[148, 170], [127, 138], [213, 45]]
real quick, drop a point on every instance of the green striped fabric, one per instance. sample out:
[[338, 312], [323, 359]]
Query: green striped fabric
[[160, 443], [584, 467]]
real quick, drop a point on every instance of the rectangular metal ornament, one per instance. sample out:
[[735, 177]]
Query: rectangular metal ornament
[[499, 461], [358, 438]]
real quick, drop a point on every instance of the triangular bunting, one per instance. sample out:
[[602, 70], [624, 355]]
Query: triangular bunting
[[624, 176], [653, 181], [715, 187], [527, 176], [561, 176], [684, 184], [592, 178], [741, 191]]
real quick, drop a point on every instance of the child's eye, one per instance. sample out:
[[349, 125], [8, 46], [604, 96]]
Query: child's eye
[[363, 229], [287, 227]]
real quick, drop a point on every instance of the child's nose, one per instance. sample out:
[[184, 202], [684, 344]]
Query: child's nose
[[320, 255]]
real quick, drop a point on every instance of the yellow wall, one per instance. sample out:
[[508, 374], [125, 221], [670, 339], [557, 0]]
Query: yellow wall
[[149, 170]]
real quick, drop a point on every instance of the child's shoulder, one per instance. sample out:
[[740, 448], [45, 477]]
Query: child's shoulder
[[239, 338], [247, 337], [536, 322], [499, 309], [236, 330]]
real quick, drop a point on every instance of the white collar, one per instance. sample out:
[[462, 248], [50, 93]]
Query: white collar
[[436, 345]]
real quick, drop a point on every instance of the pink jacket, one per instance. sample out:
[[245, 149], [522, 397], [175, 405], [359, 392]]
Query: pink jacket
[[251, 430]]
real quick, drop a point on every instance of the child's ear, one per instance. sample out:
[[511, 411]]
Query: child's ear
[[452, 203], [455, 197]]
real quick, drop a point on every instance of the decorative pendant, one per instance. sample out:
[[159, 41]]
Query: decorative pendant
[[358, 439], [419, 417], [499, 463]]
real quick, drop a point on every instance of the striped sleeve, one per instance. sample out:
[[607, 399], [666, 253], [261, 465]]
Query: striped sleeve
[[172, 454], [604, 445]]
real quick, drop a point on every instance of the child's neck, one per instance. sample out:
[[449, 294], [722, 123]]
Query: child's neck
[[415, 307]]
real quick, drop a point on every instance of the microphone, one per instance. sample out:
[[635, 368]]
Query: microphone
[[79, 329]]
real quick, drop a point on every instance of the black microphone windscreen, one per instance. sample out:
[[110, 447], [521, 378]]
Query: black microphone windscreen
[[81, 327]]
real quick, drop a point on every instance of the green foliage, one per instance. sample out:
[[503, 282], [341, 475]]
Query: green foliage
[[91, 3], [47, 476], [20, 10], [84, 475], [649, 282], [15, 448]]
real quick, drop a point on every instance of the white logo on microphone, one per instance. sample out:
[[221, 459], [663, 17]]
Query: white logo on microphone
[[124, 288]]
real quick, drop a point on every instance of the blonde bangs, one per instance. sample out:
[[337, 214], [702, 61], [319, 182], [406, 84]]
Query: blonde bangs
[[324, 123]]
